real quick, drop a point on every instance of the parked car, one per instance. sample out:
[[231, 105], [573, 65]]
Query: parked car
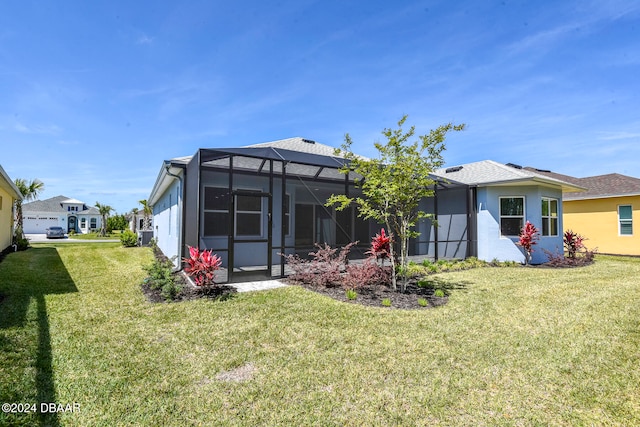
[[55, 232]]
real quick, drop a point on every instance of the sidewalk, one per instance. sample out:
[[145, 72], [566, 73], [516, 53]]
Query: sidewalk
[[42, 238]]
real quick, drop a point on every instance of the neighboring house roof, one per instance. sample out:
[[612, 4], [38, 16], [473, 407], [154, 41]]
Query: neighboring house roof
[[8, 185], [54, 204], [489, 172], [599, 186]]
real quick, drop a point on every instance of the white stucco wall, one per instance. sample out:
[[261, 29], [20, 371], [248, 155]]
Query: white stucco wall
[[166, 221]]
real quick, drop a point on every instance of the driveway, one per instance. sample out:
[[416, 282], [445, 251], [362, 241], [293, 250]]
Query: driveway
[[40, 238]]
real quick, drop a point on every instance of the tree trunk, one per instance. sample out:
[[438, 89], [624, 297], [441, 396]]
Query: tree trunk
[[393, 260], [404, 244]]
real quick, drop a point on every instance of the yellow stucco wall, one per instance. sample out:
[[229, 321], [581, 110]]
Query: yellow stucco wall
[[597, 220], [6, 220]]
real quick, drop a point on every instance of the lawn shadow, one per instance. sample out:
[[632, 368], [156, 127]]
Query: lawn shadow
[[433, 282], [26, 278]]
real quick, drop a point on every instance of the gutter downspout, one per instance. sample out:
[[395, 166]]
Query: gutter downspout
[[180, 218]]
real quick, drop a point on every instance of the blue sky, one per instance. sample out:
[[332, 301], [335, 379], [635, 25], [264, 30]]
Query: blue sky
[[95, 95]]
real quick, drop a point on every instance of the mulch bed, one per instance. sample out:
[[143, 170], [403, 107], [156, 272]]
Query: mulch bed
[[189, 292], [373, 297]]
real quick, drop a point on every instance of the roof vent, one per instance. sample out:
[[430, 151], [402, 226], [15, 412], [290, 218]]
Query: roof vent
[[543, 170], [308, 141], [453, 169], [513, 165]]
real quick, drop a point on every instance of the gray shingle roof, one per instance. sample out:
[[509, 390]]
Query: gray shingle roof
[[297, 143], [599, 186], [54, 204], [489, 172]]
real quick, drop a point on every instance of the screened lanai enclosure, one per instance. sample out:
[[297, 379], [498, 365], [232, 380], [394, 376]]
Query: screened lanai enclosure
[[250, 205]]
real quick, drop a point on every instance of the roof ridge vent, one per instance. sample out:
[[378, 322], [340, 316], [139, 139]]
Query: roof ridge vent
[[513, 165], [453, 169], [308, 141]]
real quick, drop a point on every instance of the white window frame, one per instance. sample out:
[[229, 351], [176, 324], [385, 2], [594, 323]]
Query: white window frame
[[500, 216], [237, 211], [548, 218], [93, 224], [629, 221]]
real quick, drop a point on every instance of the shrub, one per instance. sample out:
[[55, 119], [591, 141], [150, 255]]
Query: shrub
[[351, 294], [161, 277], [439, 293], [527, 239], [367, 273], [202, 265], [22, 243], [129, 239], [380, 245], [422, 302], [324, 269], [573, 243], [386, 302]]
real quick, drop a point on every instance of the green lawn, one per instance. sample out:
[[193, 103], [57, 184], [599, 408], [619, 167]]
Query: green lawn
[[514, 346]]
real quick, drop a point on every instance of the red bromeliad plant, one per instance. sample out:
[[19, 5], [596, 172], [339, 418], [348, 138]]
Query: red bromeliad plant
[[529, 236], [202, 265], [380, 245], [574, 242]]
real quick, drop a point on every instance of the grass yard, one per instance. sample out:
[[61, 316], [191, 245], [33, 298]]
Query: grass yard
[[513, 346]]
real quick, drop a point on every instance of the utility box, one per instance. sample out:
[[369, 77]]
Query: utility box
[[144, 237]]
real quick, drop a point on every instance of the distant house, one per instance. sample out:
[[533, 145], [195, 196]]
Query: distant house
[[62, 211], [250, 204], [606, 213], [9, 193], [136, 221]]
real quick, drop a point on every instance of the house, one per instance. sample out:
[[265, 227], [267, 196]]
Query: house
[[251, 204], [136, 221], [605, 214], [70, 214], [505, 197], [9, 193]]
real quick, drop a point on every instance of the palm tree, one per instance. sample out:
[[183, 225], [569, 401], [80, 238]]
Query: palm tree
[[104, 210], [30, 191], [146, 212], [134, 221]]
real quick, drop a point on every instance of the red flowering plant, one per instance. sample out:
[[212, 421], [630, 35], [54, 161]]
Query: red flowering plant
[[380, 245], [574, 242], [202, 265], [529, 236]]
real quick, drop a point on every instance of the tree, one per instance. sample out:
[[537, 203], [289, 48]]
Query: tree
[[134, 215], [30, 191], [146, 213], [116, 222], [394, 183], [104, 210]]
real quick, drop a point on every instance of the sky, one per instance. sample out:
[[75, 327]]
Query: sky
[[95, 95]]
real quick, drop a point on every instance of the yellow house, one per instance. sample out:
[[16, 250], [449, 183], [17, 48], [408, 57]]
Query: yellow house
[[607, 214], [9, 193]]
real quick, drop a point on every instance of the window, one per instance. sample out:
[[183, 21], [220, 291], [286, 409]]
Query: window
[[511, 215], [287, 215], [549, 217], [83, 222], [216, 211], [625, 220], [93, 223], [248, 215]]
